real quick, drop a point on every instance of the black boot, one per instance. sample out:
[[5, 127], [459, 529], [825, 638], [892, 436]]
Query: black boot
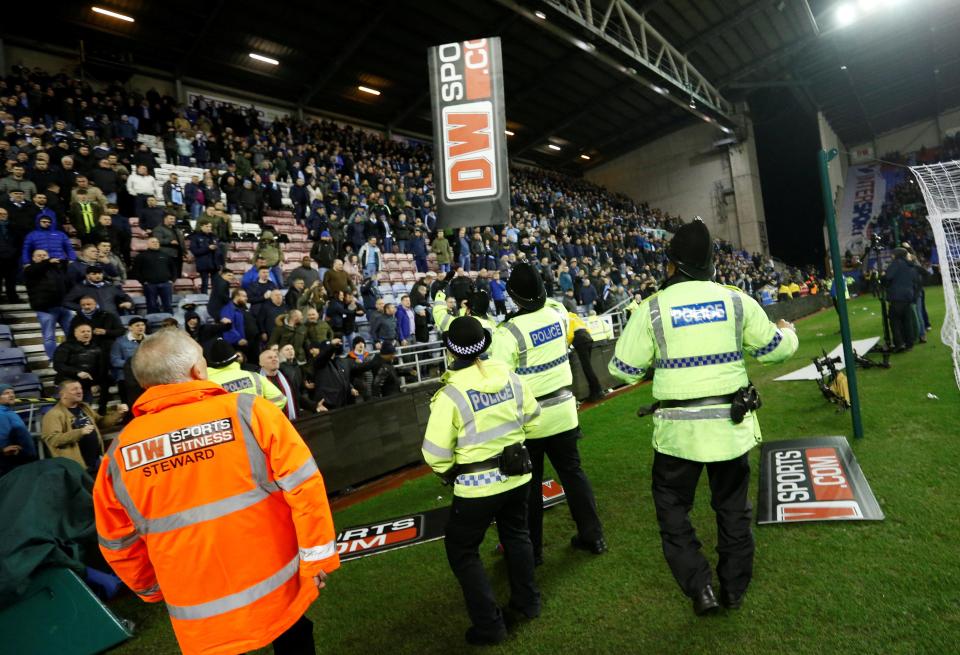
[[597, 547], [730, 601], [705, 602]]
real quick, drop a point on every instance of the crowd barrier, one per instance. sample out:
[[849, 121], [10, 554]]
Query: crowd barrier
[[791, 310]]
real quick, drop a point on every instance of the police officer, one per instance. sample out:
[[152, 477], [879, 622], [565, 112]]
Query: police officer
[[533, 343], [223, 367], [694, 332], [474, 438]]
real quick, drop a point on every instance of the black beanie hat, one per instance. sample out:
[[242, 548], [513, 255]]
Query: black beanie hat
[[691, 250], [526, 288], [219, 353], [466, 338], [479, 302]]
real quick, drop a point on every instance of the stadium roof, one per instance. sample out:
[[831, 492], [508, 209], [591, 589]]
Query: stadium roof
[[899, 63]]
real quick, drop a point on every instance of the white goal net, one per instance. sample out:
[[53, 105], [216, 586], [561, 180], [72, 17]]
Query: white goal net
[[941, 192]]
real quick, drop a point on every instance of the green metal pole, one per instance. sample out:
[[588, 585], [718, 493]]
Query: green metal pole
[[840, 286]]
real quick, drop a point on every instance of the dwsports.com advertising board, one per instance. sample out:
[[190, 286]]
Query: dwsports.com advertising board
[[815, 479], [413, 529]]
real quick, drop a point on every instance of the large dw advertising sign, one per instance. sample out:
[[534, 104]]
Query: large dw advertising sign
[[470, 147]]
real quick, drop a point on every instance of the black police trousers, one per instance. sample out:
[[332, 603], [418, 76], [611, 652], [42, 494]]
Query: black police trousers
[[469, 520], [565, 457], [674, 486], [297, 640]]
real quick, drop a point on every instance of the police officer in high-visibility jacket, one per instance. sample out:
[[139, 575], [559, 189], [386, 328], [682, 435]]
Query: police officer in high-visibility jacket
[[474, 439], [224, 368], [533, 343], [694, 332], [211, 503]]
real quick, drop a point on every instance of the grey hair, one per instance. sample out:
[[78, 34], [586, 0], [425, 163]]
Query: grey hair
[[165, 357]]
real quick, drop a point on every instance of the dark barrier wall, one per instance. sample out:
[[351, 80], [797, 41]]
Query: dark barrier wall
[[791, 310], [363, 442]]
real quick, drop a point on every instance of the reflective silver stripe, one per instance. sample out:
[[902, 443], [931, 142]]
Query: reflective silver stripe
[[738, 317], [120, 491], [677, 414], [255, 455], [256, 383], [314, 553], [298, 477], [521, 344], [149, 591], [489, 435], [435, 450], [518, 394], [208, 512], [444, 322], [466, 412], [121, 543], [529, 417], [556, 400], [657, 324], [240, 599]]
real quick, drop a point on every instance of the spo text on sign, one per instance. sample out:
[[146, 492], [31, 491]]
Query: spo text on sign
[[466, 90]]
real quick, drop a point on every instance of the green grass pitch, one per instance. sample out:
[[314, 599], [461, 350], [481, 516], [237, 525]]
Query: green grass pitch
[[874, 587]]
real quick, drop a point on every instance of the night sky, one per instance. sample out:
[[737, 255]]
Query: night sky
[[787, 144]]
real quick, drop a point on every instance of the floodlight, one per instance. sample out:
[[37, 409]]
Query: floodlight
[[846, 14], [266, 60], [112, 14]]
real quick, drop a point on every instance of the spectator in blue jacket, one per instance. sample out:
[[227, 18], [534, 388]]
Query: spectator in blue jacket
[[16, 442], [498, 293], [236, 311], [588, 295], [418, 248], [406, 321], [123, 349], [47, 237], [254, 272]]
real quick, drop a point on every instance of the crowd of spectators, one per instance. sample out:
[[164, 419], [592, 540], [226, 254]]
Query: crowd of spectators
[[76, 171]]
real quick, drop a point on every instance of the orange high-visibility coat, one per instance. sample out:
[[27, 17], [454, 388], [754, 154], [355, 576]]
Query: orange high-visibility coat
[[211, 502]]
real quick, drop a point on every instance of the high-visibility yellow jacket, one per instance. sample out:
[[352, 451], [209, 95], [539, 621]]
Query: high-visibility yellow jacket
[[575, 323], [534, 345], [695, 333], [212, 503], [478, 412], [441, 316], [236, 380]]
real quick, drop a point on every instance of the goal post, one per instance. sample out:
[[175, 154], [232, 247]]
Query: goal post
[[940, 184]]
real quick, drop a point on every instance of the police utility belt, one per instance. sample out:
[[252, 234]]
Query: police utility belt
[[513, 460], [741, 401]]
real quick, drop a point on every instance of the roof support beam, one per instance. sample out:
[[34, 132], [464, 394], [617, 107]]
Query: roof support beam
[[341, 59], [658, 63], [699, 40]]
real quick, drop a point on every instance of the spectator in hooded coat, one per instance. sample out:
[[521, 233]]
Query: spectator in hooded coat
[[47, 237]]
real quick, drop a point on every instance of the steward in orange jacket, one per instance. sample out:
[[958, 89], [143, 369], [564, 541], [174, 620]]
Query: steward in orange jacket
[[212, 503]]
